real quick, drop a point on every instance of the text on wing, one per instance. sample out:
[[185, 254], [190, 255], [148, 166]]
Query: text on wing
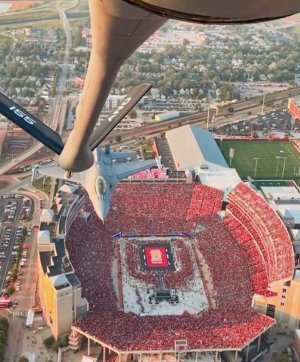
[[19, 113], [126, 100]]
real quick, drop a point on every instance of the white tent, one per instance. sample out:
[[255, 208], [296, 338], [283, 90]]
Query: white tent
[[47, 215], [44, 237], [68, 189]]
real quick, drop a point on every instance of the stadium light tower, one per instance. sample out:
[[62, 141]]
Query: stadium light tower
[[263, 104], [207, 118], [255, 168], [278, 158], [283, 168]]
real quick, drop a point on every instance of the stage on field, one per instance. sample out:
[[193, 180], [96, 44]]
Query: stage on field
[[157, 257], [160, 276]]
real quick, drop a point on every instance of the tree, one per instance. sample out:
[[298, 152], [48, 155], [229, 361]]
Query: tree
[[133, 114], [23, 359], [52, 91], [118, 138], [230, 109], [185, 42], [3, 336], [280, 357], [48, 342]]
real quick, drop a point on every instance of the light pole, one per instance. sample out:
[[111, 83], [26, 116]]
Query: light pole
[[278, 158], [255, 168], [263, 104], [283, 168], [212, 123], [207, 119], [298, 174]]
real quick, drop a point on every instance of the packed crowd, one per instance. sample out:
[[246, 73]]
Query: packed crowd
[[184, 270], [205, 201], [133, 263], [154, 173], [157, 202], [151, 208], [257, 265], [228, 266], [267, 229], [231, 324]]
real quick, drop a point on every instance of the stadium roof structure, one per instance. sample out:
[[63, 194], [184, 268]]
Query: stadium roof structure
[[192, 146], [44, 237], [280, 193], [59, 280], [296, 235], [47, 215], [68, 189], [221, 178], [291, 214], [285, 200]]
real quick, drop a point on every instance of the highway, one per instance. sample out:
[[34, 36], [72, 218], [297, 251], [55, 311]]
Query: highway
[[152, 130], [239, 110]]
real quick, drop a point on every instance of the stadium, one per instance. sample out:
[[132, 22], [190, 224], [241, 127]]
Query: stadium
[[174, 272], [219, 265]]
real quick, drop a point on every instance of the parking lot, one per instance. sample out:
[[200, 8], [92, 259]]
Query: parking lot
[[276, 121], [14, 212]]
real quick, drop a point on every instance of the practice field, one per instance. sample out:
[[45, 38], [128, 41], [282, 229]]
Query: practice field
[[270, 159]]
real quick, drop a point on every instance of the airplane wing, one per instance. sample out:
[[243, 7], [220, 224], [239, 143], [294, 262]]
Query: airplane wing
[[30, 124], [220, 11], [56, 172], [108, 124], [130, 168]]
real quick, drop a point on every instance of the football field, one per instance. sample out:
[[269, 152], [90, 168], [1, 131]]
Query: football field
[[263, 159]]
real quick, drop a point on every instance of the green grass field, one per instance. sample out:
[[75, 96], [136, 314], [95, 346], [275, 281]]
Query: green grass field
[[266, 152], [41, 185]]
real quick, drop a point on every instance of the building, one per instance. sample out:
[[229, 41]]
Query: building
[[294, 107], [283, 305], [195, 150], [192, 147], [59, 288]]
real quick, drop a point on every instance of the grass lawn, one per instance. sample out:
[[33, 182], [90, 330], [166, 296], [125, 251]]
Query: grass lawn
[[41, 185], [266, 152]]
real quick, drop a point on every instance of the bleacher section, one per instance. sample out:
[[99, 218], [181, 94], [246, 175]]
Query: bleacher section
[[170, 207], [205, 201], [152, 174], [263, 236]]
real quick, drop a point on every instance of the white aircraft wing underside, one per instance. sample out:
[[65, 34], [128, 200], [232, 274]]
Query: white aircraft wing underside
[[130, 168], [57, 172]]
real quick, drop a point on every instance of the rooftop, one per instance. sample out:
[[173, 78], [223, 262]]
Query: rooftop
[[191, 146]]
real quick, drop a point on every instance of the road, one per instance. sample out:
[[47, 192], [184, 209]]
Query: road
[[13, 224], [27, 293], [18, 335]]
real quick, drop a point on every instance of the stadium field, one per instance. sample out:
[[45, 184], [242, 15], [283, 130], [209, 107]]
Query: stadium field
[[270, 163]]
